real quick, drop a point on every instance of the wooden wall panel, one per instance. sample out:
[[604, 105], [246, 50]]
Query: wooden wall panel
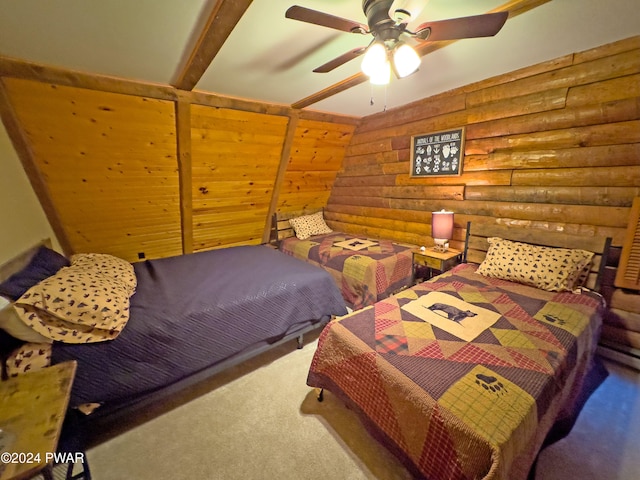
[[109, 163], [317, 153], [235, 157], [120, 169], [553, 148]]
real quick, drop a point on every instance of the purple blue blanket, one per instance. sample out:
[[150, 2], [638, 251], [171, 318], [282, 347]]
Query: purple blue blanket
[[193, 311]]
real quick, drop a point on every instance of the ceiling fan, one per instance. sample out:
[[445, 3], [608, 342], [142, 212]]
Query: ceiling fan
[[387, 21]]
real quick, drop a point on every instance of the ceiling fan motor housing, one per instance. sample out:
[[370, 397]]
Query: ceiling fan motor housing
[[383, 27]]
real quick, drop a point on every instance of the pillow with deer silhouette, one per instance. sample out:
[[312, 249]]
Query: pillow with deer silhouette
[[306, 226], [28, 357], [80, 304], [547, 268], [114, 267]]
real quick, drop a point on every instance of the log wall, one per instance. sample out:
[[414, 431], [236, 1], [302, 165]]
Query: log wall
[[552, 148]]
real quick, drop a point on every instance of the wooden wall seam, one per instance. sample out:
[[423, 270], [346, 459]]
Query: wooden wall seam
[[183, 144], [282, 168]]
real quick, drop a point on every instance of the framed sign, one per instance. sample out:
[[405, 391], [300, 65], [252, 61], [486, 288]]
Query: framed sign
[[437, 154]]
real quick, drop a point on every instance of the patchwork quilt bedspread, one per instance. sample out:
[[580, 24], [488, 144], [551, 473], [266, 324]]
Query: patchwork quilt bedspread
[[366, 270], [462, 377]]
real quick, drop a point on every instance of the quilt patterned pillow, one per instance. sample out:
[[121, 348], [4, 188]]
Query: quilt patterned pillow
[[547, 268], [308, 225], [77, 305]]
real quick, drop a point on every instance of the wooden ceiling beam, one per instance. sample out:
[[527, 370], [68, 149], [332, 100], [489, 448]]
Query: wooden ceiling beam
[[514, 7], [15, 68], [222, 20], [334, 89]]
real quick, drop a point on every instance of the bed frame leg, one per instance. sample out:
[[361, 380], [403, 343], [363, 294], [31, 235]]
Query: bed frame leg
[[300, 342], [320, 395]]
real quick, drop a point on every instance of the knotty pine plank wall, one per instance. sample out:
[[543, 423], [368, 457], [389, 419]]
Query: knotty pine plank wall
[[317, 153], [235, 158], [554, 147], [109, 164], [175, 172]]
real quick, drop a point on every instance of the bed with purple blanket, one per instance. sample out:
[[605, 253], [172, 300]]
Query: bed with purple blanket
[[194, 315]]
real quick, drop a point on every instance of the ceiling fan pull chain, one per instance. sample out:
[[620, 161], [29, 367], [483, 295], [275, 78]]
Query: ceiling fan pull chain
[[385, 99], [371, 102]]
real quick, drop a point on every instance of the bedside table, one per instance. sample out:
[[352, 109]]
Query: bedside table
[[440, 261], [32, 408]]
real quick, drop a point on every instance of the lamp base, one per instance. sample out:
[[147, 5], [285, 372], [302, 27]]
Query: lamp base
[[440, 245]]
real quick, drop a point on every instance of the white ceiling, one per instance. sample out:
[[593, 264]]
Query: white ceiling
[[270, 58]]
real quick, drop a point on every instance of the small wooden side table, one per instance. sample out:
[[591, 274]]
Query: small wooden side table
[[440, 261], [32, 409]]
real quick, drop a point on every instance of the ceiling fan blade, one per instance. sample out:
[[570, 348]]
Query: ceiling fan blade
[[325, 20], [341, 60], [485, 25]]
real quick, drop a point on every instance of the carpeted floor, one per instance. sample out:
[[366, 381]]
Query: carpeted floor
[[604, 442], [261, 421]]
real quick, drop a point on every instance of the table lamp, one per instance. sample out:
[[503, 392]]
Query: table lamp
[[441, 229]]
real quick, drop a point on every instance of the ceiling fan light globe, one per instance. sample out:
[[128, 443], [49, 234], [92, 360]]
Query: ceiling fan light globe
[[374, 59], [382, 76], [405, 60]]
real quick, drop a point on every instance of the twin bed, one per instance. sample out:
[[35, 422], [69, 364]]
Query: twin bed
[[192, 316], [365, 270], [462, 377]]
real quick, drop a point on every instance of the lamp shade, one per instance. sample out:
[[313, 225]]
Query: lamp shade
[[442, 225]]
